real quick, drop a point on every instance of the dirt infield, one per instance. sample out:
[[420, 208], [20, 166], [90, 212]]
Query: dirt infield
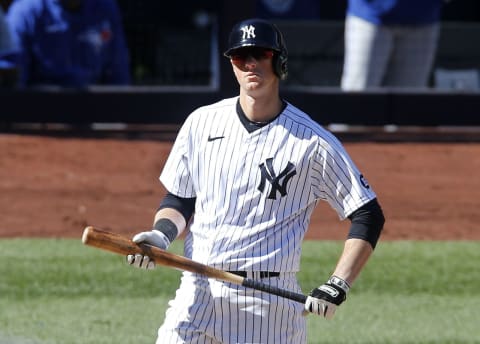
[[56, 186]]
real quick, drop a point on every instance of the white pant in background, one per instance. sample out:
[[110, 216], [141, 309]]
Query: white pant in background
[[387, 56]]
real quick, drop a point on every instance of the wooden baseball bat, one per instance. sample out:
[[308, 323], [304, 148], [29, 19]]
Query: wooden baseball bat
[[119, 244]]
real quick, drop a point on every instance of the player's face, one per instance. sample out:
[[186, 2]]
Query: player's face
[[253, 67]]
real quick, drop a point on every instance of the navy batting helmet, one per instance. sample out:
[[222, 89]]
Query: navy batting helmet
[[260, 33]]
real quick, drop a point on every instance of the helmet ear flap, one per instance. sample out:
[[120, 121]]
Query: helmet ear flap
[[280, 61], [280, 66]]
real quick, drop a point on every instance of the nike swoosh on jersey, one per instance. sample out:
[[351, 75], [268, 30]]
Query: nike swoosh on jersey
[[210, 138]]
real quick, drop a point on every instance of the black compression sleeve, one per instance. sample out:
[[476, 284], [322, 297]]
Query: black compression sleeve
[[185, 206], [367, 222]]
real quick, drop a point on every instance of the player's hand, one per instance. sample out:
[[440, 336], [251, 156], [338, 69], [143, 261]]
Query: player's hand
[[140, 261], [324, 300], [154, 238]]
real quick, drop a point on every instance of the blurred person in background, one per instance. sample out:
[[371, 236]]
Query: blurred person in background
[[70, 43], [8, 70], [390, 43], [288, 9]]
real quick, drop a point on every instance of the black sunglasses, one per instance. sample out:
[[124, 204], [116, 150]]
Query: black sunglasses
[[242, 54]]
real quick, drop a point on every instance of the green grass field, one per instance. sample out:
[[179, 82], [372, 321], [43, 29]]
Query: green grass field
[[60, 291]]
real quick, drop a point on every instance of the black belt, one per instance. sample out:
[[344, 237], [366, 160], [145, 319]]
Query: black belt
[[263, 274]]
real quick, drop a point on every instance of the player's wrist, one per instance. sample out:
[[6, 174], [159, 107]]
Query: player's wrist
[[334, 290], [339, 283], [167, 228]]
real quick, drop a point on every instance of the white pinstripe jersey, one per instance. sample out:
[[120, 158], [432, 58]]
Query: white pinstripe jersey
[[255, 192]]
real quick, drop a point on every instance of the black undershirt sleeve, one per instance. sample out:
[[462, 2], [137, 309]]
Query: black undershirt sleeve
[[185, 206], [367, 222]]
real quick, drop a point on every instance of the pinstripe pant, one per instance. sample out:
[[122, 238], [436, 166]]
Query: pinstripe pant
[[207, 311], [390, 56]]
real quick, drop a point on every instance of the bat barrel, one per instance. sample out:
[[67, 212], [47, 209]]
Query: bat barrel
[[109, 241]]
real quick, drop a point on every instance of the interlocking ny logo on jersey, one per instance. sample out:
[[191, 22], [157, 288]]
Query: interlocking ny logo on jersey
[[248, 32], [268, 173]]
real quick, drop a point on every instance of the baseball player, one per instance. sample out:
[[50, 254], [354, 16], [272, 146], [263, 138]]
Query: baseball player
[[245, 174]]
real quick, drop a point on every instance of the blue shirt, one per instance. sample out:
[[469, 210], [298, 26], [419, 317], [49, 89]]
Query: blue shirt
[[7, 48], [288, 9], [402, 12], [69, 48]]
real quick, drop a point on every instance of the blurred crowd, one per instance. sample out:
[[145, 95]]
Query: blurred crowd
[[70, 43], [77, 43]]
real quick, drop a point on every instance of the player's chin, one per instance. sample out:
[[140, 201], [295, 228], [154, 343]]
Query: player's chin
[[253, 84]]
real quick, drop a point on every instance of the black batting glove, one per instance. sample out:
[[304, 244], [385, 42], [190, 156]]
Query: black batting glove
[[324, 300]]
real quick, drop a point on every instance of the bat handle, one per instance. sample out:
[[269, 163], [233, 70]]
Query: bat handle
[[274, 290]]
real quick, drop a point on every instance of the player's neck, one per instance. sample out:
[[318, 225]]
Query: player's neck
[[261, 109]]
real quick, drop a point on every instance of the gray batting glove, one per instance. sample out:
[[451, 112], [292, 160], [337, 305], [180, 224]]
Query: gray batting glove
[[324, 300], [154, 238]]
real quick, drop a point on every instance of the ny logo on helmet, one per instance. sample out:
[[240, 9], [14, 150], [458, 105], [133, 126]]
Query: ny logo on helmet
[[268, 173], [248, 32]]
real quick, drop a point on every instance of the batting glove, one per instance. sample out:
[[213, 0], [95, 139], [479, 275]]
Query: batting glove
[[324, 300], [154, 238]]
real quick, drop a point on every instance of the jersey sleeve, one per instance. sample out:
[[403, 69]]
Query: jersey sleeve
[[176, 174], [337, 179]]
